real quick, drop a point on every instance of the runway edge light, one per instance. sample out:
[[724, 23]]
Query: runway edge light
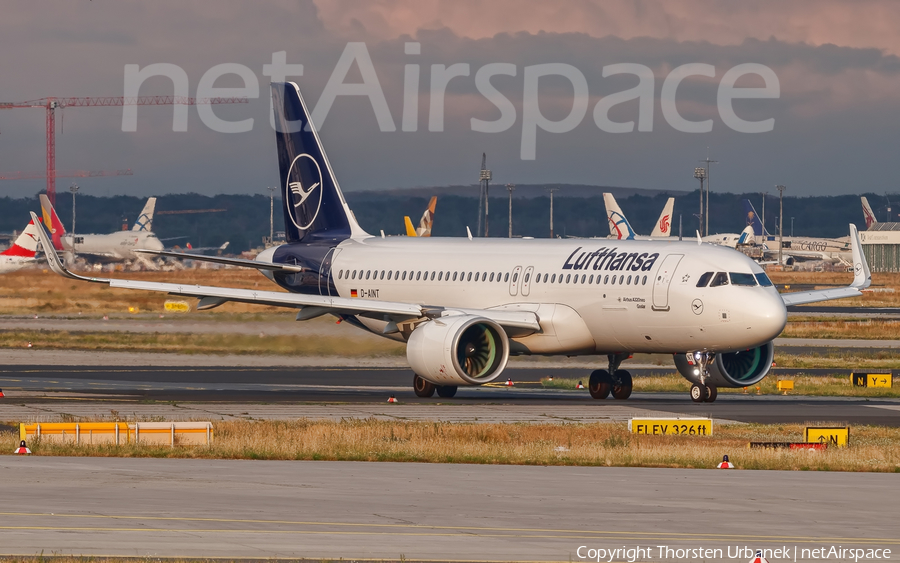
[[725, 463], [392, 399], [22, 449]]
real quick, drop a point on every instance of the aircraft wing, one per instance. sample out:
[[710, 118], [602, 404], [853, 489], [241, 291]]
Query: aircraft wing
[[242, 262], [310, 306], [862, 278]]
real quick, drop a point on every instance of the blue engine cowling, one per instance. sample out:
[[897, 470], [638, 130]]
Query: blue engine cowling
[[732, 369]]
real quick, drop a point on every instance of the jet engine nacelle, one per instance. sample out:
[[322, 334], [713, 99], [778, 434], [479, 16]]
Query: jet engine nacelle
[[732, 369], [458, 350]]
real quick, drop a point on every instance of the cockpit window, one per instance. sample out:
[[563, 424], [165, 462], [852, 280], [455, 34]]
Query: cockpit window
[[704, 279], [742, 279], [720, 279], [763, 279]]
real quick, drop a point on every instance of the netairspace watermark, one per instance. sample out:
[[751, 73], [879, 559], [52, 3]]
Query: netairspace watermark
[[530, 122], [783, 553]]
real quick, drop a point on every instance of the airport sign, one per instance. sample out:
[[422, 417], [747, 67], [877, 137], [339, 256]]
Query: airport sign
[[672, 426]]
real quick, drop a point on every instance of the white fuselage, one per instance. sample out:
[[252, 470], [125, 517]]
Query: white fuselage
[[13, 263], [587, 303], [114, 246]]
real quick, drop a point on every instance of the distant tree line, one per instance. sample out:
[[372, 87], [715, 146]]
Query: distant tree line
[[246, 219]]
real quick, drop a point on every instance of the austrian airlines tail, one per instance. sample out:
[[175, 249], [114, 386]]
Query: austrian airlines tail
[[619, 227], [314, 207], [57, 231], [663, 227], [25, 245], [145, 219], [868, 213]]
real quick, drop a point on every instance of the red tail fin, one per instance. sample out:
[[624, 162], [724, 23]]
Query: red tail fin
[[51, 219]]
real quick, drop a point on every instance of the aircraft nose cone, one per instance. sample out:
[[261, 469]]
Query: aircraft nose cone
[[769, 316]]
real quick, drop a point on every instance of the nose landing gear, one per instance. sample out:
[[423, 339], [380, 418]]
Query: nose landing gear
[[704, 392]]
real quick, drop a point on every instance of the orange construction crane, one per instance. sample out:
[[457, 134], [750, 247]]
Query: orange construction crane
[[51, 104], [65, 174]]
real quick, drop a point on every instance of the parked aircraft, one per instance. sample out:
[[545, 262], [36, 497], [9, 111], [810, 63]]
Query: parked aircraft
[[425, 223], [620, 228], [798, 248], [464, 305], [114, 247], [22, 252]]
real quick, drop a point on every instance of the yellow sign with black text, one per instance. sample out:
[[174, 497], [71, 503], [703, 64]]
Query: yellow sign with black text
[[834, 437], [872, 379], [672, 426], [177, 306]]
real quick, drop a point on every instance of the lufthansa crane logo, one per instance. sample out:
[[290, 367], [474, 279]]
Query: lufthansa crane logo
[[303, 191]]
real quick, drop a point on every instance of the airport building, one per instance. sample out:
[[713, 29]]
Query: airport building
[[881, 245]]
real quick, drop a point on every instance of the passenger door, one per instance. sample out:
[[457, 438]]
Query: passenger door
[[663, 279], [526, 280]]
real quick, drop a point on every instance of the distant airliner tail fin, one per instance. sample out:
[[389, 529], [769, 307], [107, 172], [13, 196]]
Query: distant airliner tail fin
[[663, 227], [25, 245], [868, 213], [51, 219], [427, 220], [410, 230], [751, 218], [145, 219], [619, 227]]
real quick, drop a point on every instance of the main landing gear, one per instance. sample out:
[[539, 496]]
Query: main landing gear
[[702, 392], [425, 388], [614, 380]]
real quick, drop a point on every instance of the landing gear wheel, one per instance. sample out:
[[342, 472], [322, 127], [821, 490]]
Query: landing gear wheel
[[622, 388], [422, 387], [711, 393], [446, 391], [600, 384], [699, 393]]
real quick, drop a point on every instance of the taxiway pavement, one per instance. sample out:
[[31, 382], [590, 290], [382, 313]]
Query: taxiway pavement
[[412, 511]]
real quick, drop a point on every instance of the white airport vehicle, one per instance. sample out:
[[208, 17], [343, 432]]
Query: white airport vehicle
[[114, 247], [22, 252], [464, 305]]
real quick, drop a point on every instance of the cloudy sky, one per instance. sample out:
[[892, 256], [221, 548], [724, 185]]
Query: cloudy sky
[[834, 111]]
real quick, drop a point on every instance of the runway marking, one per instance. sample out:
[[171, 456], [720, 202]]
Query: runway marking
[[525, 532]]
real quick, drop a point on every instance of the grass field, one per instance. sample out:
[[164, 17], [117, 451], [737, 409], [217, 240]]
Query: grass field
[[871, 449]]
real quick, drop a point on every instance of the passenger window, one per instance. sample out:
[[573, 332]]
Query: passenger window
[[454, 276], [418, 276], [341, 274], [704, 279], [546, 276], [720, 279], [738, 278], [381, 277], [621, 279], [763, 279], [553, 278], [368, 272], [568, 278], [389, 274], [591, 279], [506, 277], [404, 275], [606, 279], [440, 276], [483, 276], [515, 277], [629, 280], [526, 277], [644, 281], [492, 276], [614, 280], [584, 277]]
